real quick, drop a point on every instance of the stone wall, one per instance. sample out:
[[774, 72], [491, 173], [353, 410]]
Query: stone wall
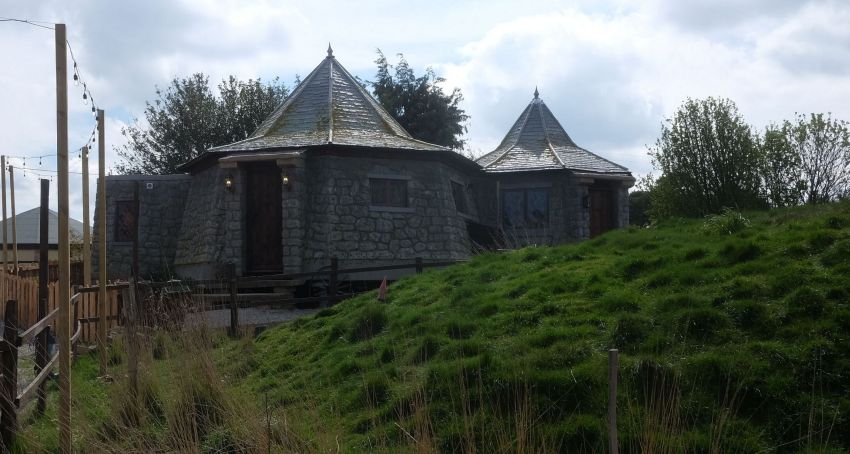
[[161, 203], [210, 232], [341, 222], [568, 218]]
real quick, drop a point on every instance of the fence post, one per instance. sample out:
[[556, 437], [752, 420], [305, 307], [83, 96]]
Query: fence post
[[132, 343], [9, 418], [334, 282], [234, 300], [41, 352], [418, 265], [613, 367]]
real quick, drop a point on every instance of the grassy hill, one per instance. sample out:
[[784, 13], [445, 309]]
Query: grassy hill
[[734, 336]]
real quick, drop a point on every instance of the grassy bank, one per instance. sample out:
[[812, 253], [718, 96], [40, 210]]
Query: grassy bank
[[733, 335]]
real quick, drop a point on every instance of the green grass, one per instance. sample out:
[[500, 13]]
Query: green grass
[[743, 337]]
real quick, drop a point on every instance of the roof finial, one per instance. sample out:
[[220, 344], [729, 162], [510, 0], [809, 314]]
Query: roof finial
[[536, 93], [330, 51]]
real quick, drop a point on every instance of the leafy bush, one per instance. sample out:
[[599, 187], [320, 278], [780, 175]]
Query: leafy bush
[[727, 222]]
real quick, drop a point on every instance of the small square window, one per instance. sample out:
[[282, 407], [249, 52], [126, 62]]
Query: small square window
[[125, 221], [459, 195], [387, 192]]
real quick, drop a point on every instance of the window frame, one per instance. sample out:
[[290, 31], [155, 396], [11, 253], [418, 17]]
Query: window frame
[[527, 221], [123, 208], [376, 180], [464, 196]]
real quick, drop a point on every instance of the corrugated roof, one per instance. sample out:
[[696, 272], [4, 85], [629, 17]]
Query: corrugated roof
[[537, 141], [28, 223], [329, 107]]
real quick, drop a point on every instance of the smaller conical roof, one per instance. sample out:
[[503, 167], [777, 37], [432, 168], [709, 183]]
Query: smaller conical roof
[[537, 141]]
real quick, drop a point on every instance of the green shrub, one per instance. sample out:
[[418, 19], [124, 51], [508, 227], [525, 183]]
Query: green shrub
[[726, 223]]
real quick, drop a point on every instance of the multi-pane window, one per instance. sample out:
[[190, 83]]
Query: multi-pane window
[[388, 192], [125, 225], [528, 208], [459, 194]]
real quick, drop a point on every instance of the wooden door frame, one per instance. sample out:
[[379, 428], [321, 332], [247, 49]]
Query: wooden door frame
[[246, 171]]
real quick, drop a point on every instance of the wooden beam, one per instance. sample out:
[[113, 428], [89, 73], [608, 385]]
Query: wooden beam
[[5, 236], [14, 221], [63, 300], [102, 303], [41, 352], [86, 225]]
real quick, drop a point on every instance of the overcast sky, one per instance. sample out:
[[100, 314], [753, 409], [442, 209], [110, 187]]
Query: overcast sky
[[611, 71]]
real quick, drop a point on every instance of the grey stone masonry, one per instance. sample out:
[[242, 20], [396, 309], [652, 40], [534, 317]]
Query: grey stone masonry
[[161, 203], [342, 222], [567, 216], [204, 242], [294, 200]]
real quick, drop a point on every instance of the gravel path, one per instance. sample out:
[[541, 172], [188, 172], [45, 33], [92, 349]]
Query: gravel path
[[252, 316]]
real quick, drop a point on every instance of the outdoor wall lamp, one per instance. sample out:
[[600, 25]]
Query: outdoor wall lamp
[[585, 201], [228, 183], [285, 181]]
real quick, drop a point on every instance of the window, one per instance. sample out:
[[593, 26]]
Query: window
[[459, 194], [387, 192], [527, 208], [125, 221]]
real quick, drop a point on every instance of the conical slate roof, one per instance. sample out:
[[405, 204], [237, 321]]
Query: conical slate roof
[[537, 141], [329, 107]]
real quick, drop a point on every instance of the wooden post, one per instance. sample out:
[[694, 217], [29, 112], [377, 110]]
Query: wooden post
[[136, 270], [14, 221], [9, 384], [130, 319], [418, 265], [234, 301], [102, 302], [86, 225], [63, 299], [5, 236], [334, 282], [613, 367], [41, 353]]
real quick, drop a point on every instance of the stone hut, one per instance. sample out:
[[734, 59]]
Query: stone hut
[[331, 174]]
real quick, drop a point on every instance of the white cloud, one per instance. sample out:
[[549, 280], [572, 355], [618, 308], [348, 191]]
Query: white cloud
[[611, 71]]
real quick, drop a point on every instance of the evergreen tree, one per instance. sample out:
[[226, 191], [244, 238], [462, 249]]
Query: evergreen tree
[[187, 118], [419, 104]]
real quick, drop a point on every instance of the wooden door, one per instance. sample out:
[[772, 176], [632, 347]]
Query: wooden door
[[602, 216], [263, 221]]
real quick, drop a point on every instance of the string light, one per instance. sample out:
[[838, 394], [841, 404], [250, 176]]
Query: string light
[[78, 81]]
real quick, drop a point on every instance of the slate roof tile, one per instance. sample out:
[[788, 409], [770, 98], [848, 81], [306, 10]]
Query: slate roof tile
[[329, 107], [537, 141]]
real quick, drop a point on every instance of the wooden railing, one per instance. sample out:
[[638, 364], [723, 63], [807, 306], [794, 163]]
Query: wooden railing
[[11, 401]]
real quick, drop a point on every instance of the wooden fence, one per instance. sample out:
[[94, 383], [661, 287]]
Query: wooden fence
[[226, 293], [24, 291]]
